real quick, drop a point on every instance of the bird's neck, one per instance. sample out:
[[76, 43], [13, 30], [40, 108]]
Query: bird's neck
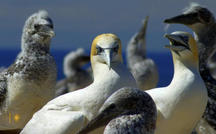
[[136, 51], [205, 36], [31, 46], [199, 28], [184, 71], [101, 70]]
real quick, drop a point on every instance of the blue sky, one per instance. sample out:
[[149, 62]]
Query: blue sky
[[77, 22]]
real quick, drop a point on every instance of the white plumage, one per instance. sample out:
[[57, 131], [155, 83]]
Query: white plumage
[[128, 110], [69, 112], [181, 104], [202, 22]]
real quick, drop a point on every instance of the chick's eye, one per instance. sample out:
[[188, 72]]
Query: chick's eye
[[99, 49], [36, 26], [115, 49]]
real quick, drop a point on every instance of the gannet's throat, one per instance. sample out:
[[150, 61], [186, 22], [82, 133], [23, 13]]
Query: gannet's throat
[[184, 48]]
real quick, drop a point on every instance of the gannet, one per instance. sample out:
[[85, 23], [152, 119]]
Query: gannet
[[67, 113], [29, 82], [202, 22], [143, 69], [128, 110], [181, 104], [76, 76]]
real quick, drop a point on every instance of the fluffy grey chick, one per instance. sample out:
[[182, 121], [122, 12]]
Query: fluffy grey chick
[[29, 82], [76, 76], [202, 22], [127, 111], [143, 69]]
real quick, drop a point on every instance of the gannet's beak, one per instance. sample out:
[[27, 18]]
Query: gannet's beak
[[177, 43], [187, 19], [108, 56]]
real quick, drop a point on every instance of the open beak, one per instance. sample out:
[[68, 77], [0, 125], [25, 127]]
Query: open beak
[[108, 56], [186, 19], [176, 43]]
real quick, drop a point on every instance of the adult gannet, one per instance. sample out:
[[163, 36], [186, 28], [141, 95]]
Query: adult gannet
[[29, 82], [181, 104], [66, 114], [128, 110], [76, 76], [143, 69], [202, 22]]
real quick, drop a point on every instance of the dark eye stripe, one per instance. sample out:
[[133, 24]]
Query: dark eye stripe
[[116, 49], [99, 49]]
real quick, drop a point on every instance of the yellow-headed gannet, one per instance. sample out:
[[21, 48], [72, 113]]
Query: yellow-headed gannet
[[143, 69], [29, 82], [181, 104], [128, 110], [67, 113], [202, 22], [76, 76]]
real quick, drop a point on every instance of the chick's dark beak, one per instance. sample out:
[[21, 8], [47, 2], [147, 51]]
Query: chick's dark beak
[[186, 19]]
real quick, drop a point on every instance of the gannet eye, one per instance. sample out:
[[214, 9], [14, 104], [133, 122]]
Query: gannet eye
[[115, 49], [99, 49]]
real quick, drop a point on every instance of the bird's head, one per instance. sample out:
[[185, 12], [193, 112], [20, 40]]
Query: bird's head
[[38, 27], [194, 16], [183, 47], [74, 61], [106, 49]]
